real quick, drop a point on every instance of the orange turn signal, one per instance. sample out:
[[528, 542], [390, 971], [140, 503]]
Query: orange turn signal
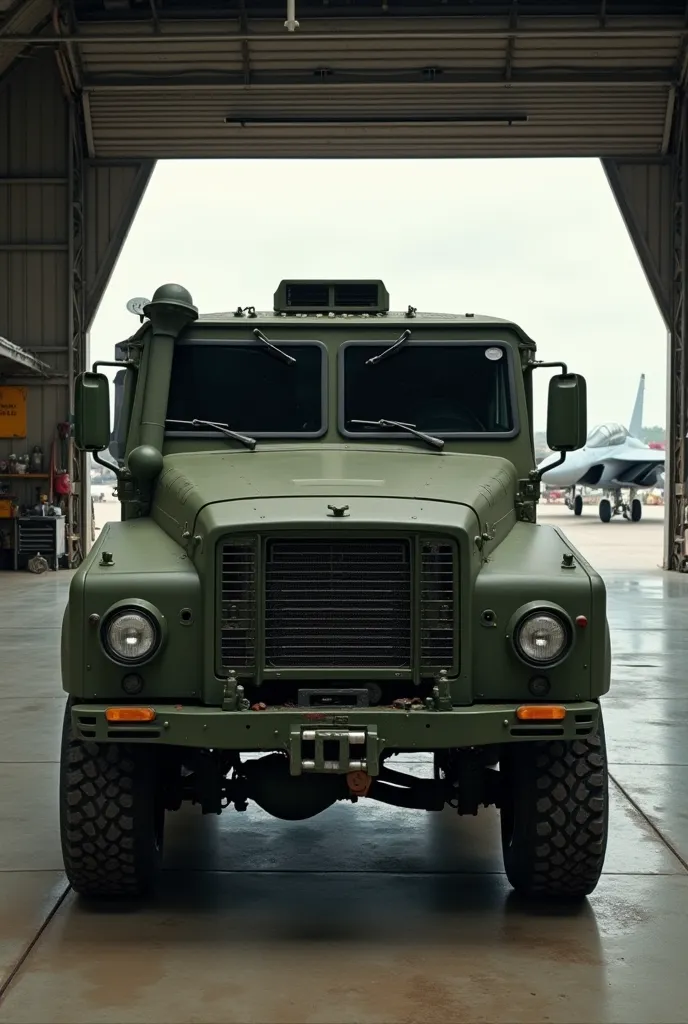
[[130, 714], [540, 713]]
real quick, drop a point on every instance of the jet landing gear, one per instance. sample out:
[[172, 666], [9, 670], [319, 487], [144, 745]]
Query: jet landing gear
[[575, 502], [614, 505]]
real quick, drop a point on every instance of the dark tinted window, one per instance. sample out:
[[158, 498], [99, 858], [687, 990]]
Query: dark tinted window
[[440, 388], [248, 388]]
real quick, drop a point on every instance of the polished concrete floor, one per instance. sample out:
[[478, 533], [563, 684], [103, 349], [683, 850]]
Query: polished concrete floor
[[365, 914]]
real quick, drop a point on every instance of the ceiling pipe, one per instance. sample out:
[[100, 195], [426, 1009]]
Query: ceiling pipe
[[291, 24]]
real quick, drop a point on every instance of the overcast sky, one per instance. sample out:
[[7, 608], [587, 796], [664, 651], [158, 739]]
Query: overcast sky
[[540, 242]]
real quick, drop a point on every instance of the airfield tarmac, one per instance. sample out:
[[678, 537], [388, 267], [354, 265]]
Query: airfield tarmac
[[365, 914], [619, 544]]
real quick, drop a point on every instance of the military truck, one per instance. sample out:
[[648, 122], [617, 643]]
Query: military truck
[[328, 557]]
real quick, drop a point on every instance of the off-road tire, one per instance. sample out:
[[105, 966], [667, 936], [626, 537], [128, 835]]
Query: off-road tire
[[555, 811], [111, 816], [605, 510], [578, 505]]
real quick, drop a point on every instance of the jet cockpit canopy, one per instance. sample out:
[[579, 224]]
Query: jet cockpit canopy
[[606, 435]]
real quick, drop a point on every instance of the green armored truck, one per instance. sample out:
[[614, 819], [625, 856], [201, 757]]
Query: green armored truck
[[328, 556]]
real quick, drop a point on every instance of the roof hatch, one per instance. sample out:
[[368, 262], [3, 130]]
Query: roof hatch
[[331, 297]]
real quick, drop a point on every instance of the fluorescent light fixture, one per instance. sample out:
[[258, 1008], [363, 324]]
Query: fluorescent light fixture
[[249, 120]]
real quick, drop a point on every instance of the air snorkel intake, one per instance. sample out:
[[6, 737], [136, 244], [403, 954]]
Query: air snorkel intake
[[169, 312]]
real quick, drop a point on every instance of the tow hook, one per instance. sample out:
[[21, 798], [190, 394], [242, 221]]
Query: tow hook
[[359, 783]]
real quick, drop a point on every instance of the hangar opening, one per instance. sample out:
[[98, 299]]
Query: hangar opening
[[109, 88]]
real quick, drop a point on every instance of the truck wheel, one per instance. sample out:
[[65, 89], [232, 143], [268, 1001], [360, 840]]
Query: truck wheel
[[578, 505], [555, 809], [111, 815], [605, 510]]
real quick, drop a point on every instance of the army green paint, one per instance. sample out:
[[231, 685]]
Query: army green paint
[[182, 497], [197, 727]]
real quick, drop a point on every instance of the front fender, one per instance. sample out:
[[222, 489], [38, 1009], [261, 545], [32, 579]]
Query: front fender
[[146, 565], [528, 567]]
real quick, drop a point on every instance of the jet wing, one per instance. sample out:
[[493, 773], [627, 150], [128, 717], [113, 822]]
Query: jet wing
[[648, 455], [638, 469]]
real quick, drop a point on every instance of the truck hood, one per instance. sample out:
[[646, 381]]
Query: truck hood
[[190, 482]]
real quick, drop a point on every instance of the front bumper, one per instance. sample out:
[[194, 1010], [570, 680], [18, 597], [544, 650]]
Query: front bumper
[[333, 742]]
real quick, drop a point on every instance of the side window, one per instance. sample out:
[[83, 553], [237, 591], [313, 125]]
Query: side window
[[502, 410], [118, 438], [499, 399]]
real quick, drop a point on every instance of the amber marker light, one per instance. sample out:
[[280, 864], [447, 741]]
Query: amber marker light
[[541, 713], [130, 714]]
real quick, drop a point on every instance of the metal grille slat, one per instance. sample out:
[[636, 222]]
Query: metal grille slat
[[437, 606], [238, 606], [338, 604]]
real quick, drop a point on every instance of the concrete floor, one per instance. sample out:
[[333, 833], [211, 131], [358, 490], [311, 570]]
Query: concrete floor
[[365, 914]]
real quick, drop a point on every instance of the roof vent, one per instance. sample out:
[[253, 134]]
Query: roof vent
[[331, 297]]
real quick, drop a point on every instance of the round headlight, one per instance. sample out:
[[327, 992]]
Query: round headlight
[[541, 638], [130, 636]]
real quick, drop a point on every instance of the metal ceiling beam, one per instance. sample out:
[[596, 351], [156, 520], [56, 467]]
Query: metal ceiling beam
[[245, 47], [365, 78], [14, 359], [511, 41], [70, 64], [32, 181], [378, 35], [155, 15]]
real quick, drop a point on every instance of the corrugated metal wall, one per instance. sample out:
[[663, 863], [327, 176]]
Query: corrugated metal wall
[[35, 226], [113, 193], [34, 235], [644, 193]]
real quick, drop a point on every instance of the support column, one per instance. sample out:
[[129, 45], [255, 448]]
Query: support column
[[79, 502], [677, 413]]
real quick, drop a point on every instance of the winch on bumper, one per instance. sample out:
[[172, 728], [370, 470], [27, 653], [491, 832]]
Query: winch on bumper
[[337, 743]]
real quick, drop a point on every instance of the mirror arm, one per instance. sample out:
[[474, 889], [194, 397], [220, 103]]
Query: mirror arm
[[108, 465], [121, 364], [539, 366], [552, 465]]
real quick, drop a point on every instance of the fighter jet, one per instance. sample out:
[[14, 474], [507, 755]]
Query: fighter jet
[[614, 460]]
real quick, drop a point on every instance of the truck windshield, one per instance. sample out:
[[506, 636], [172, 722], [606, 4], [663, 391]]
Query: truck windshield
[[443, 388], [245, 386]]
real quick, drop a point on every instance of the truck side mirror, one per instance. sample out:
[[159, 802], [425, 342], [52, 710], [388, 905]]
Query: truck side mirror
[[567, 412], [92, 412]]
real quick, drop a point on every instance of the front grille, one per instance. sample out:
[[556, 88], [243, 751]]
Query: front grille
[[238, 606], [345, 604], [437, 605], [338, 604]]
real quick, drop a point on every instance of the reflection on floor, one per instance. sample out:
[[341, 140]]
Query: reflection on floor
[[365, 914]]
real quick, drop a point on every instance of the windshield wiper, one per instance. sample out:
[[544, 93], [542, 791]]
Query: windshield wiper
[[408, 428], [250, 442], [401, 340], [284, 356]]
